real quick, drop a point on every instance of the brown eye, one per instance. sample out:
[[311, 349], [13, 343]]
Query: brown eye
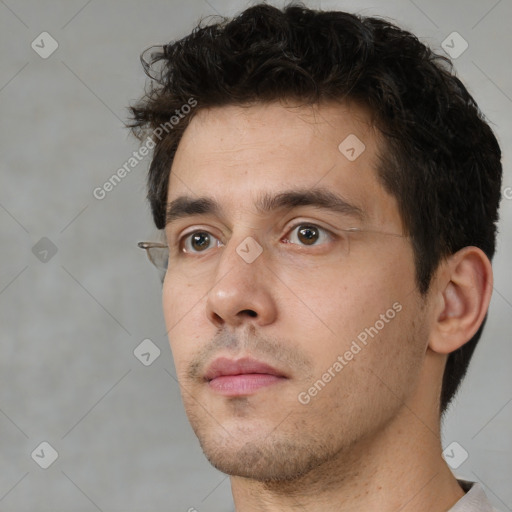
[[308, 235], [198, 241]]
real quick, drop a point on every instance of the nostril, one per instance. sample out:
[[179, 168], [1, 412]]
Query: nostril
[[250, 312], [217, 318]]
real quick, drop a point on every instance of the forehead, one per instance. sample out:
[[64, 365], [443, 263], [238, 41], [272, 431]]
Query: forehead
[[234, 154]]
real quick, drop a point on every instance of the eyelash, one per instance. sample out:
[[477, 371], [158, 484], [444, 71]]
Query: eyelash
[[182, 240]]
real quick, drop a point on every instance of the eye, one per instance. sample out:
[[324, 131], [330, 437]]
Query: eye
[[198, 241], [308, 235]]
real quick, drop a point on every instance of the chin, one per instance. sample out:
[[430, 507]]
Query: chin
[[266, 460]]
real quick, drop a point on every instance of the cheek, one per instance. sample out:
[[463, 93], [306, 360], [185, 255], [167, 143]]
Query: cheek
[[344, 299], [182, 309], [366, 302], [370, 366]]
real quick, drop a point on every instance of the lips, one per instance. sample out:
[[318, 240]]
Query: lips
[[241, 377], [223, 366]]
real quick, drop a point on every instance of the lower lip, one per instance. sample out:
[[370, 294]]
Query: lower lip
[[246, 384]]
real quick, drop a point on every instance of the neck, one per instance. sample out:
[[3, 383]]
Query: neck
[[398, 468]]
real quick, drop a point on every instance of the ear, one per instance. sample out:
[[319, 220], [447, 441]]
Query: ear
[[463, 293]]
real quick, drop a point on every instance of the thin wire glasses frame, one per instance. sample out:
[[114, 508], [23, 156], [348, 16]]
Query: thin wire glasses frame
[[158, 252]]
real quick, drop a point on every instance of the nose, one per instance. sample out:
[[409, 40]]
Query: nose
[[244, 290]]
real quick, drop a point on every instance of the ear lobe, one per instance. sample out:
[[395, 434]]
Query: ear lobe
[[465, 288]]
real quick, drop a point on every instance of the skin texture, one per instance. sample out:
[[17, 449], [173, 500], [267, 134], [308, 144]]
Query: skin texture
[[369, 439]]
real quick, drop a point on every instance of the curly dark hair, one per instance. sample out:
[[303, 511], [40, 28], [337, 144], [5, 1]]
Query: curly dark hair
[[440, 158]]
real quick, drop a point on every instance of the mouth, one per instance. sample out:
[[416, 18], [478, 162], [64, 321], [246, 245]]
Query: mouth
[[241, 377]]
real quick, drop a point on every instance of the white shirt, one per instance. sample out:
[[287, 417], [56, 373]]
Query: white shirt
[[474, 500]]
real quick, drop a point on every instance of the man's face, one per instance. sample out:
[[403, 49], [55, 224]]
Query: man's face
[[342, 327]]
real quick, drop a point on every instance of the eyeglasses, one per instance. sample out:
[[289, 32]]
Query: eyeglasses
[[158, 253]]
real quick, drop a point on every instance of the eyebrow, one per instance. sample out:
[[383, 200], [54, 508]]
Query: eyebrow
[[186, 206]]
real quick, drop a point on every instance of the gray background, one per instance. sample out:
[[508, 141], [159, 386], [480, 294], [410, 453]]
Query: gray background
[[69, 325]]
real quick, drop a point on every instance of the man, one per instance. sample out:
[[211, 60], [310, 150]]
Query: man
[[328, 191]]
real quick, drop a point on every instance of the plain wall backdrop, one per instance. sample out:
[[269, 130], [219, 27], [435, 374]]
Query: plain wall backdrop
[[77, 296]]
